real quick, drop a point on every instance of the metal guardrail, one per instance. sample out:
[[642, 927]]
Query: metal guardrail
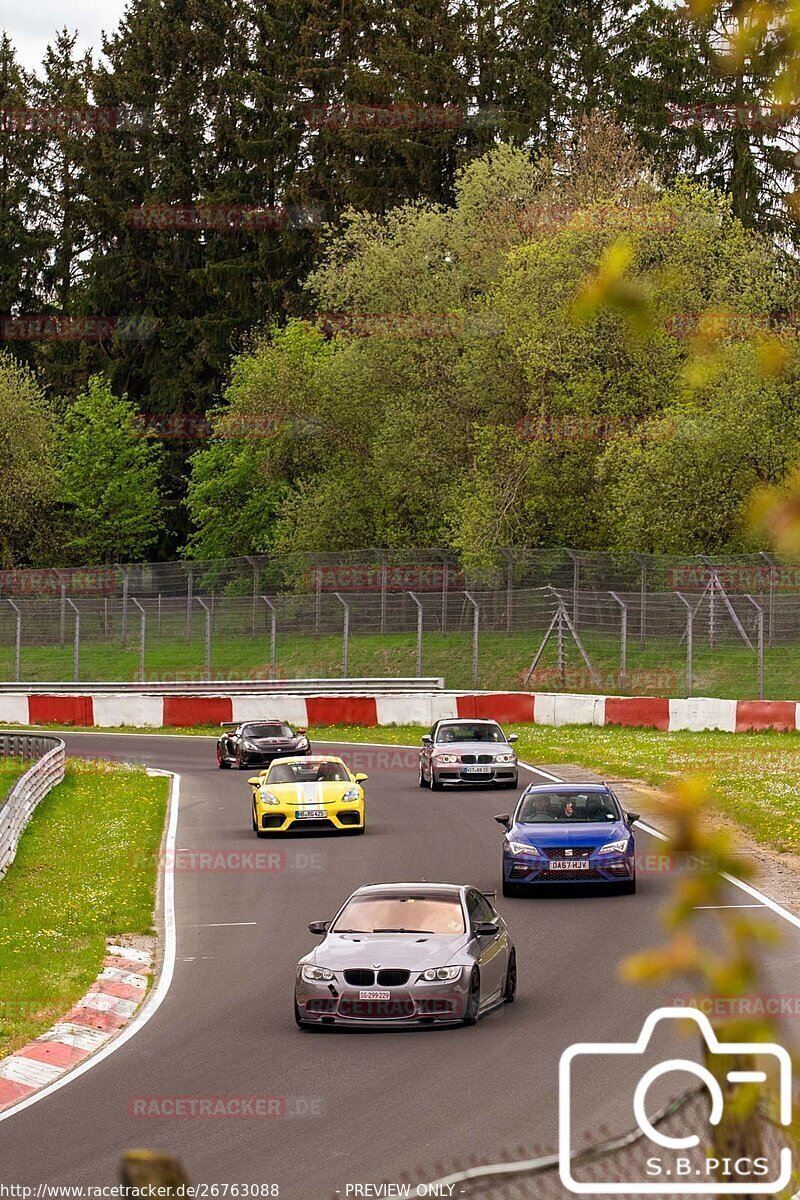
[[22, 798], [231, 687]]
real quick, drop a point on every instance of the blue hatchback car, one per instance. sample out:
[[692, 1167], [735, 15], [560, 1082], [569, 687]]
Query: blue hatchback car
[[576, 833]]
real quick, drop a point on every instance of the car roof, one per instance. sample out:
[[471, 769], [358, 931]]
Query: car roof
[[444, 888], [467, 721], [566, 786]]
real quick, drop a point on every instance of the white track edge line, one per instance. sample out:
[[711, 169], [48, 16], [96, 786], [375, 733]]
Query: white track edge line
[[158, 995]]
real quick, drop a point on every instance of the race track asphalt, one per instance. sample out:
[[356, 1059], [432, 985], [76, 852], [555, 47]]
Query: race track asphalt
[[360, 1106]]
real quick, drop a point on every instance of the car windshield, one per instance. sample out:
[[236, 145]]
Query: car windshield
[[417, 913], [539, 808], [267, 731], [302, 770], [470, 733]]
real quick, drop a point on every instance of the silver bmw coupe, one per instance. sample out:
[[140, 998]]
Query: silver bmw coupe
[[411, 954]]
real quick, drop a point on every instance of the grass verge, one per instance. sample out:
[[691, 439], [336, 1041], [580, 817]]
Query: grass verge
[[85, 870]]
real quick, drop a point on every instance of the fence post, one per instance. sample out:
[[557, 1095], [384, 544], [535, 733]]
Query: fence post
[[319, 599], [273, 618], [760, 620], [124, 633], [773, 571], [384, 584], [63, 624], [475, 635], [643, 602], [207, 611], [689, 631], [77, 645], [576, 576], [189, 602], [509, 557], [445, 586], [345, 632], [17, 640], [142, 637], [254, 564], [418, 603], [623, 642]]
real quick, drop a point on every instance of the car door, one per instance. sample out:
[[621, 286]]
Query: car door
[[426, 753], [492, 952]]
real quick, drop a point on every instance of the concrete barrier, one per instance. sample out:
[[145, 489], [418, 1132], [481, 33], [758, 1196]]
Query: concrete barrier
[[147, 710]]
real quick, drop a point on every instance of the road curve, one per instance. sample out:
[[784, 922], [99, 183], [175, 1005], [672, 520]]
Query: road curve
[[360, 1106]]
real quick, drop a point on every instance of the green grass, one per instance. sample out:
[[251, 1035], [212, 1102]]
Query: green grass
[[10, 771], [728, 671], [85, 870]]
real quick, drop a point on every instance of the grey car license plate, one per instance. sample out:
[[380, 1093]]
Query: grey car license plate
[[309, 812], [569, 864], [477, 770]]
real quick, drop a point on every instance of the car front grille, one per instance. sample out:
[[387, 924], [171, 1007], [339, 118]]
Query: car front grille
[[348, 818], [314, 823], [548, 876], [568, 851], [393, 977], [272, 821], [359, 977], [477, 758]]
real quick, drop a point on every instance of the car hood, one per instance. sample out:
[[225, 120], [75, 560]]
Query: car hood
[[562, 833], [474, 748], [306, 795], [415, 951]]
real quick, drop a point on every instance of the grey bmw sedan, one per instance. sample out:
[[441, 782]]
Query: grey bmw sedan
[[467, 750], [411, 954]]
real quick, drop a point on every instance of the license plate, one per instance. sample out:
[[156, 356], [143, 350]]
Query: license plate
[[477, 770], [374, 995], [569, 864], [309, 812]]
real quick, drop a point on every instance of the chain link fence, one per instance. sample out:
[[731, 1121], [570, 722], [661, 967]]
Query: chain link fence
[[549, 620], [533, 1174]]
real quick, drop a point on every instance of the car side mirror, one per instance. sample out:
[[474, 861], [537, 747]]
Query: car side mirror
[[426, 739], [513, 737], [256, 780], [360, 777], [504, 820], [486, 929], [632, 817], [319, 927]]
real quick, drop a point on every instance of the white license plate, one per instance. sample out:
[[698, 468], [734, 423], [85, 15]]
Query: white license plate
[[477, 770], [310, 812], [374, 995], [568, 864]]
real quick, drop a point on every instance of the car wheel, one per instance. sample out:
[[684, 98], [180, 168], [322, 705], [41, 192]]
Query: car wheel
[[629, 887], [433, 783], [510, 990], [472, 1011], [422, 782], [255, 822], [241, 763], [510, 889], [222, 763]]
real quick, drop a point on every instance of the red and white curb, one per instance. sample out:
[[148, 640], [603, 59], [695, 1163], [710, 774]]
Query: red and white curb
[[111, 1002]]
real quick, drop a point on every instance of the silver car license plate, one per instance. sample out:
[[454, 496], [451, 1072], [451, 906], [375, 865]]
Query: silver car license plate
[[309, 812], [477, 770], [569, 864], [374, 995]]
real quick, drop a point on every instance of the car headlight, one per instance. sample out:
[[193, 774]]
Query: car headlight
[[448, 758], [303, 744], [351, 794], [615, 847], [504, 758], [267, 797], [249, 745], [521, 847], [313, 974], [441, 974]]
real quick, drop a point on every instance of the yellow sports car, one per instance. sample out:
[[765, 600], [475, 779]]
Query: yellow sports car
[[313, 792]]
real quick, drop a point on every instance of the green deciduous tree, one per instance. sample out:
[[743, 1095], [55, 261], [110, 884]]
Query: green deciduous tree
[[28, 476], [110, 480]]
